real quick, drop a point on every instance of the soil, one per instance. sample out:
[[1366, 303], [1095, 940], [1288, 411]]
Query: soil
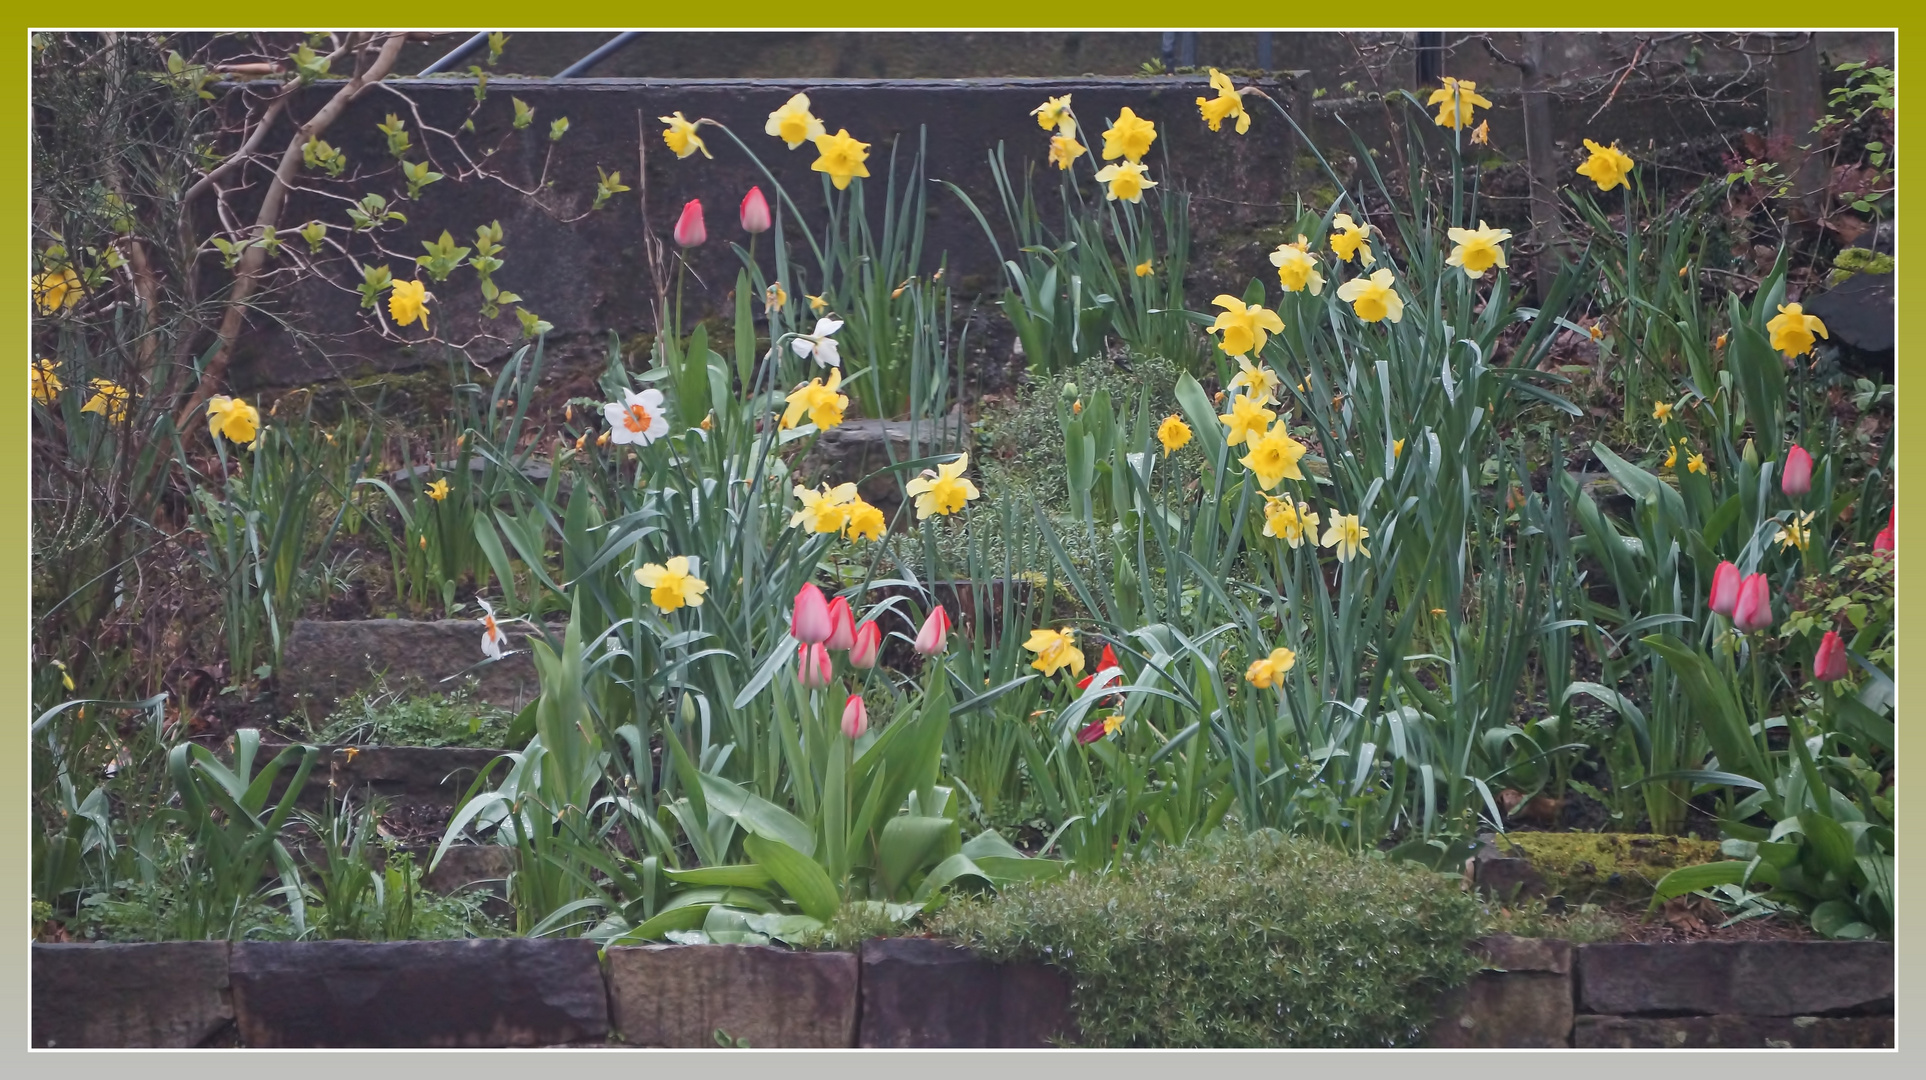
[[1694, 918]]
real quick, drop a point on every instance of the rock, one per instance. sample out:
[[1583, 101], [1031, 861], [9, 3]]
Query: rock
[[1733, 1032], [681, 995], [484, 992], [1753, 978], [931, 994], [466, 866], [1522, 999], [406, 777], [1585, 867], [1860, 320], [324, 662], [1506, 952], [163, 994], [854, 449]]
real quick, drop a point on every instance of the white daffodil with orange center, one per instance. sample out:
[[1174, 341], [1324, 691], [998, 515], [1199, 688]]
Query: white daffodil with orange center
[[638, 418]]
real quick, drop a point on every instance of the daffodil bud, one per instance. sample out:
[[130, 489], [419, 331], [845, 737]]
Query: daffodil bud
[[1751, 454], [1069, 392]]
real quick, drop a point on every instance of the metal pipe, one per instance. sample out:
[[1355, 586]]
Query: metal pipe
[[581, 66], [1264, 50], [459, 54]]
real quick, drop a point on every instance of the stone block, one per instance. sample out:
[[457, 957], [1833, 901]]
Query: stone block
[[169, 994], [1522, 999], [931, 994], [1733, 1032], [1752, 978], [855, 449], [681, 995], [487, 992], [325, 661], [1506, 952]]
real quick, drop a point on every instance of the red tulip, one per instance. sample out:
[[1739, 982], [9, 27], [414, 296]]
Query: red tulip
[[1755, 605], [1725, 589], [755, 212], [689, 230], [842, 625], [1830, 663], [813, 669], [855, 717], [809, 620], [1104, 663], [869, 642], [1091, 732], [934, 637], [1884, 541], [1796, 481]]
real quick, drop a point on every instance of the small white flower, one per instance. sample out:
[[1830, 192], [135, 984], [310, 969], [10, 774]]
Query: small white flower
[[637, 419], [819, 343], [492, 636]]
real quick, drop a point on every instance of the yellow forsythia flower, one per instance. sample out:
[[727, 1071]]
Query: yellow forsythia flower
[[944, 491], [681, 135], [793, 123], [1792, 330], [1173, 433], [1455, 101], [672, 586], [1373, 298], [841, 157], [1608, 166]]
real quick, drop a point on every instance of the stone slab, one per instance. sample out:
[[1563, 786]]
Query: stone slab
[[489, 992], [1507, 952], [931, 994], [1752, 978], [1523, 998], [170, 994], [1733, 1032], [325, 661], [681, 995]]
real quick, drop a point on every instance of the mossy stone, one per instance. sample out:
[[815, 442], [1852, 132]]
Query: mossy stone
[[1610, 866]]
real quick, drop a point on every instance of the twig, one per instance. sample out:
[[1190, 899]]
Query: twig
[[1609, 98]]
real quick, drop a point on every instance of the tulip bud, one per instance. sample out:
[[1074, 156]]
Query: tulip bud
[[934, 637], [1796, 481], [689, 230], [1755, 605], [1884, 541], [869, 642], [755, 212], [812, 666], [1725, 589], [809, 619], [1830, 663], [855, 717], [1750, 453], [842, 625]]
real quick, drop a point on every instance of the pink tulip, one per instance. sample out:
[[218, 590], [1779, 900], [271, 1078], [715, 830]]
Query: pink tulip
[[1725, 589], [855, 717], [755, 212], [842, 625], [1830, 664], [689, 230], [809, 621], [812, 666], [1796, 481], [1884, 541], [1755, 605], [934, 637], [869, 642]]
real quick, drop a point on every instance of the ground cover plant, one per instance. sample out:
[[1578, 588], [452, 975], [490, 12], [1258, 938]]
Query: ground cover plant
[[1268, 601]]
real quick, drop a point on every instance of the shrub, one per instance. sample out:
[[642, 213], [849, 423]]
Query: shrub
[[1246, 941]]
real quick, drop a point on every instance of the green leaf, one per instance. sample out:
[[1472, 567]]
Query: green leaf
[[1703, 876], [757, 815], [905, 842], [1829, 842], [749, 876], [798, 874]]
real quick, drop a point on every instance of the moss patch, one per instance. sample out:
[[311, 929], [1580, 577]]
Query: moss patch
[[1623, 866]]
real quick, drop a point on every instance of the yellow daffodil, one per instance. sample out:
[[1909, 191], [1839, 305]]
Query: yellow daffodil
[[1608, 166], [1696, 463], [865, 522], [1144, 269], [438, 490], [1720, 343], [1478, 250], [1127, 180], [1269, 671], [1056, 650], [841, 157], [1291, 523], [66, 680], [1455, 100], [793, 124], [820, 400], [1130, 137], [681, 135], [1055, 113], [1297, 267], [1228, 104], [1256, 381], [1373, 298], [1672, 455], [56, 290], [1247, 420], [1274, 456], [672, 586], [407, 302], [232, 417], [1661, 411], [1348, 238], [944, 491], [1397, 449], [1792, 330], [817, 305], [1795, 533], [1347, 536], [1481, 135], [1065, 150], [1112, 722], [824, 511], [773, 298], [1245, 329], [1173, 433], [109, 400], [46, 384]]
